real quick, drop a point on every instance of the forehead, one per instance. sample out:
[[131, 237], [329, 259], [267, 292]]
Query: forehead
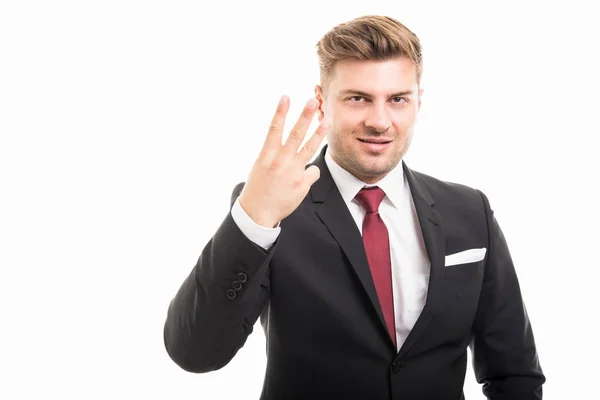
[[376, 77]]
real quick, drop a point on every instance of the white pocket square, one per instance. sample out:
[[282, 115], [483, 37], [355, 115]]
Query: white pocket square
[[464, 257]]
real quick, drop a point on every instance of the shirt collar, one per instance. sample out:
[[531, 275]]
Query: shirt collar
[[392, 184]]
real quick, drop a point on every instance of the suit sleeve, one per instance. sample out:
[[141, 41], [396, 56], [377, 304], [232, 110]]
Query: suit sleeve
[[215, 309], [505, 358]]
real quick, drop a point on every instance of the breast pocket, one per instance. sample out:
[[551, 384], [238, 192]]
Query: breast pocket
[[461, 292], [463, 270]]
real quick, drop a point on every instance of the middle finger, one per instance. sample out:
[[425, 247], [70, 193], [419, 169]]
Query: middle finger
[[298, 132]]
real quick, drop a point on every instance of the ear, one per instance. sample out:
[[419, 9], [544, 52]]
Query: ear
[[321, 100], [420, 94]]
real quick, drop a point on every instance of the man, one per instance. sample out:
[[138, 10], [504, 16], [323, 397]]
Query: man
[[370, 279]]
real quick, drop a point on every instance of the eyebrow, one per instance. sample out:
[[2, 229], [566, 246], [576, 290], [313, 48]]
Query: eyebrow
[[365, 94]]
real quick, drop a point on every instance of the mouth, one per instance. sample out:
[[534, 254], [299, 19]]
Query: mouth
[[375, 145], [375, 141]]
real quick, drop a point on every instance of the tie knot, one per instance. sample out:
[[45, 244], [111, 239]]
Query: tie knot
[[370, 198]]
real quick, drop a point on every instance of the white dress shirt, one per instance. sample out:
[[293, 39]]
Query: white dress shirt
[[410, 263]]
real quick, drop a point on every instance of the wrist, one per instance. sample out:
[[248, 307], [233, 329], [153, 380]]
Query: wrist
[[258, 217]]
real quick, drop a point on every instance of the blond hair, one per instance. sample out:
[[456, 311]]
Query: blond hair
[[369, 37]]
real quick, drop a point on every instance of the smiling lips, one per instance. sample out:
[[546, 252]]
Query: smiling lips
[[375, 144], [376, 141]]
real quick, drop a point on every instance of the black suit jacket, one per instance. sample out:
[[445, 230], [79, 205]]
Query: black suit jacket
[[326, 336]]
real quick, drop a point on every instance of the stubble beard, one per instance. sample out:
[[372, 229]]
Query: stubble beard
[[359, 164]]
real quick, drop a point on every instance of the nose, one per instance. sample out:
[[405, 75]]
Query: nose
[[378, 118]]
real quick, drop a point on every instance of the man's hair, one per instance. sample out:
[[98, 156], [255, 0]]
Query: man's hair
[[370, 37]]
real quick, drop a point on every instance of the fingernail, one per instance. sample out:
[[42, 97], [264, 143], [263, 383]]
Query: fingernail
[[283, 99], [312, 103]]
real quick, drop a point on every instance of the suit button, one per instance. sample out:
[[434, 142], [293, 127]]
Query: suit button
[[237, 286], [242, 277], [396, 367], [231, 294]]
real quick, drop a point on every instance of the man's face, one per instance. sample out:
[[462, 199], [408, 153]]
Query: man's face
[[373, 107]]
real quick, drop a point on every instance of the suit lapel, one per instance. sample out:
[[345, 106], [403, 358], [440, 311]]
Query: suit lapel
[[334, 213], [430, 222]]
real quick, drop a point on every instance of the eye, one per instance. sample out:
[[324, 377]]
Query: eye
[[399, 100], [356, 99]]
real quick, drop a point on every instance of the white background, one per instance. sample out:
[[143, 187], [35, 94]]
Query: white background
[[125, 125]]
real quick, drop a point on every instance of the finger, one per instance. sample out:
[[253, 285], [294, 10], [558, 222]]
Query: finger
[[311, 175], [273, 140], [293, 142], [312, 145]]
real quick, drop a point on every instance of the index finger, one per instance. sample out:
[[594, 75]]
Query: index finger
[[298, 132], [312, 145]]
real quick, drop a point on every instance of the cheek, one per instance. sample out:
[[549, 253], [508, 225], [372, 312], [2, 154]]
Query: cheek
[[346, 117], [345, 130], [405, 120]]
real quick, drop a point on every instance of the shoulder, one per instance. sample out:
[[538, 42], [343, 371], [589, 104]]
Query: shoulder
[[439, 186], [464, 209], [451, 195]]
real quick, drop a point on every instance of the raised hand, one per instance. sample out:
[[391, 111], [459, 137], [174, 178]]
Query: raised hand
[[279, 179]]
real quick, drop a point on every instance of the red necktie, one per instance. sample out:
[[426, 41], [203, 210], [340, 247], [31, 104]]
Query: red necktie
[[377, 246]]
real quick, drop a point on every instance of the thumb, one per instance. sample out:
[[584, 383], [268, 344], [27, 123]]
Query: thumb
[[311, 175]]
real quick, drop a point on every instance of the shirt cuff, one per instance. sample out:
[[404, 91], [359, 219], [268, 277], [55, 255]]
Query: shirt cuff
[[260, 235]]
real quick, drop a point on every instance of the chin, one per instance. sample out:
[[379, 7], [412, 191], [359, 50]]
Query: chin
[[374, 171]]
